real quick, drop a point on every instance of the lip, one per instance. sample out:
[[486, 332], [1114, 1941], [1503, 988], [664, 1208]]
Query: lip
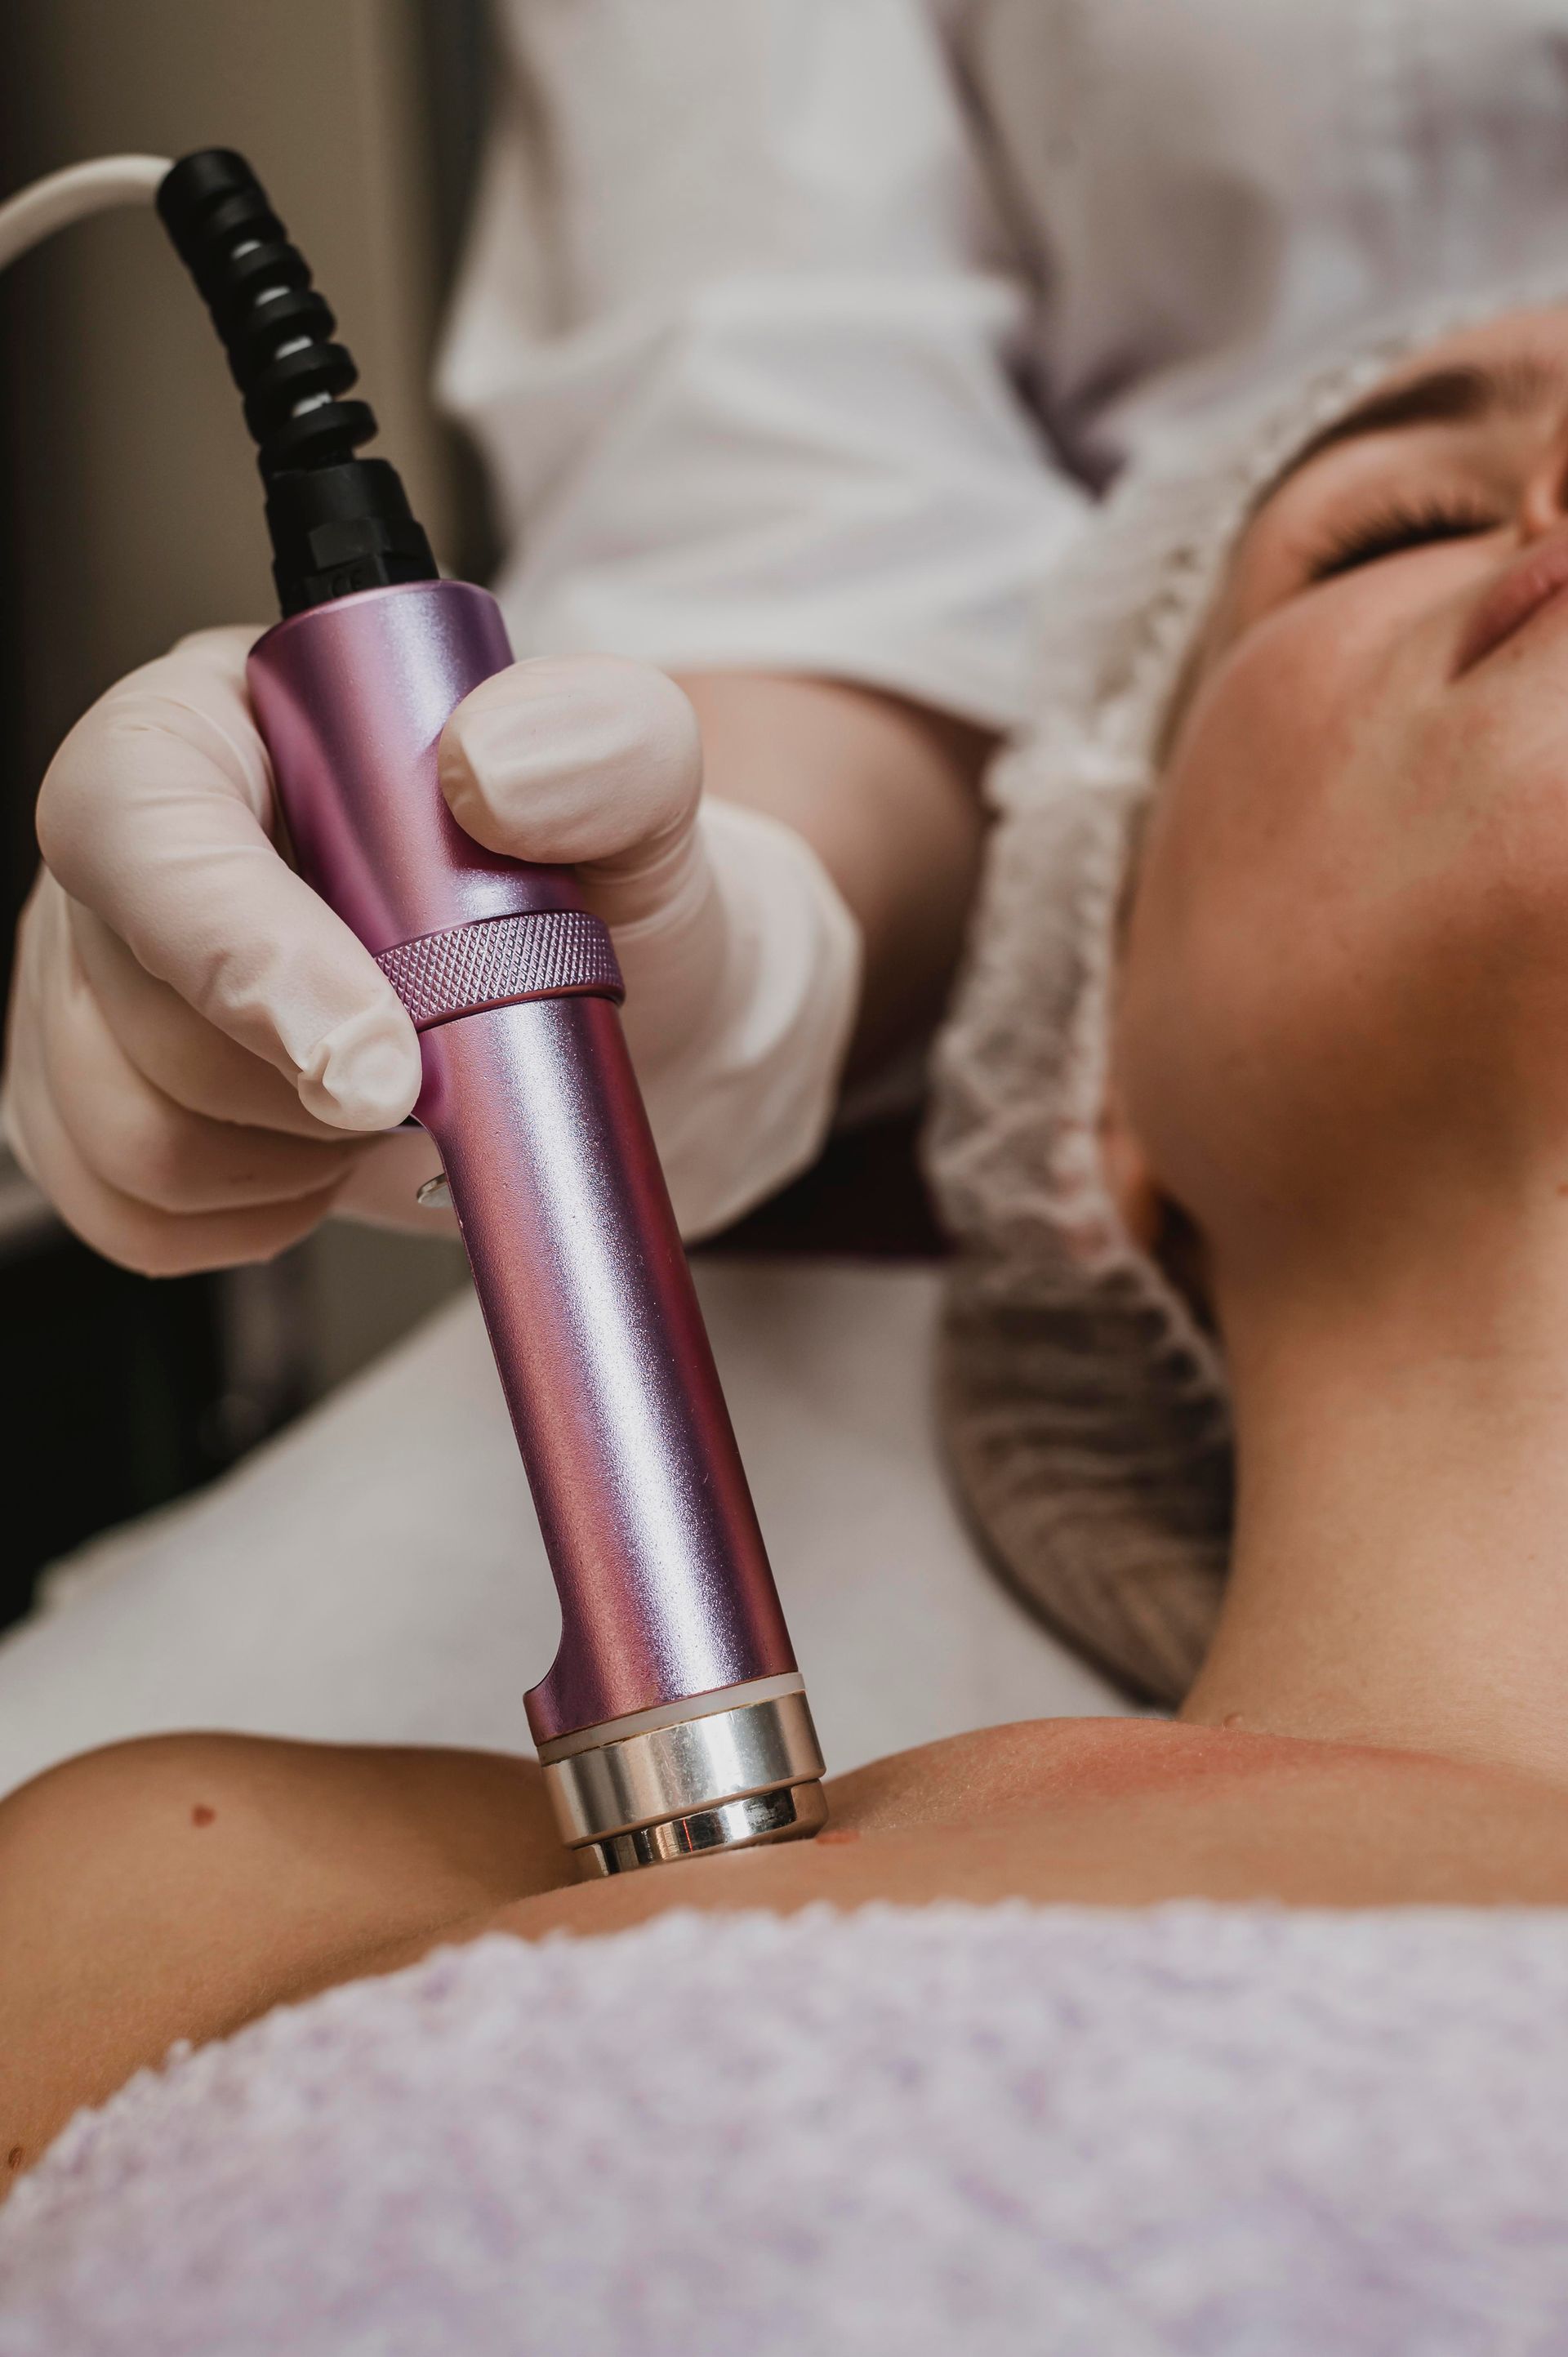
[[1529, 583]]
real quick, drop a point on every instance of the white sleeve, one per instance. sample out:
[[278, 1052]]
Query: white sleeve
[[735, 333]]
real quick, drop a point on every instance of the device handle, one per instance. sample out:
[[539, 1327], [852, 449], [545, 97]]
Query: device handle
[[664, 1582]]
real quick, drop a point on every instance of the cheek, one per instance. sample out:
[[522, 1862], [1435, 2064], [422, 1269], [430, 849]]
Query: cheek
[[1259, 850], [1270, 776], [1344, 859]]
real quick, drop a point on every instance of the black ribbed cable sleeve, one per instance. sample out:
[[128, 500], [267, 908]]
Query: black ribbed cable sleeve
[[338, 522]]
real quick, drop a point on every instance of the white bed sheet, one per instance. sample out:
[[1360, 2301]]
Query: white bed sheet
[[376, 1575]]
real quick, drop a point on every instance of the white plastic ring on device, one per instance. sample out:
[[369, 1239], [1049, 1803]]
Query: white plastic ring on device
[[35, 213]]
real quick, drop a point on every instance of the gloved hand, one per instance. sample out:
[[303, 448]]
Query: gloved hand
[[202, 1060]]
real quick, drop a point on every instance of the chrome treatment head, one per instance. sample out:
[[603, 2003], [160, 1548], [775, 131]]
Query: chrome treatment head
[[728, 1769]]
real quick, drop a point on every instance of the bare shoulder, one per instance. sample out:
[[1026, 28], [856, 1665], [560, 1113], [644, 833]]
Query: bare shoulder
[[1127, 1812], [178, 1886]]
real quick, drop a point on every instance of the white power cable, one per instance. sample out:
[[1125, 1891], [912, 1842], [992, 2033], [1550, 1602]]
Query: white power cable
[[53, 203]]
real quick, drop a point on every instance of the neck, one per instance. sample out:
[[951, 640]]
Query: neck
[[1401, 1566]]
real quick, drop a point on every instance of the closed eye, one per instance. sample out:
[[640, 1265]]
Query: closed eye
[[1389, 531]]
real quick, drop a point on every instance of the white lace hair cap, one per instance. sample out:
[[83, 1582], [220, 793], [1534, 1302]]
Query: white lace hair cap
[[1083, 1407]]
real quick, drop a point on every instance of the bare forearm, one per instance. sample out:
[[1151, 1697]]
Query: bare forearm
[[885, 792]]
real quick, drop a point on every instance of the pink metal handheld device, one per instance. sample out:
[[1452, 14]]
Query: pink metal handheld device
[[673, 1720]]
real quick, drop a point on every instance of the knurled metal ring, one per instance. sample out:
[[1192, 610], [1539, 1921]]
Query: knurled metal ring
[[501, 961]]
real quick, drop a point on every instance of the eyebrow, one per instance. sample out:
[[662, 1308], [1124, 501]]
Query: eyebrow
[[1462, 396]]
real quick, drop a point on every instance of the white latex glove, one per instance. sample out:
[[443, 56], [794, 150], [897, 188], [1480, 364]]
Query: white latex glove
[[742, 963], [200, 1055]]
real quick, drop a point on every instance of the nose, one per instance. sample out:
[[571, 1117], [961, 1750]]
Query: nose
[[1544, 503]]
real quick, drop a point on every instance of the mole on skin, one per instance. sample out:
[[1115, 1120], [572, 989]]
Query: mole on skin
[[201, 1814]]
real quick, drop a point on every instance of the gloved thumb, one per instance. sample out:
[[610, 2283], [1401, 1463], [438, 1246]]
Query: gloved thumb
[[581, 760]]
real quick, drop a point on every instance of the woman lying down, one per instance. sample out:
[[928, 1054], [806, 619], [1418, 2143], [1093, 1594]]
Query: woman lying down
[[1258, 1083]]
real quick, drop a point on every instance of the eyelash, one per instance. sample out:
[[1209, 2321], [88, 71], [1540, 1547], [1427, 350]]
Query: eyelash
[[1391, 529]]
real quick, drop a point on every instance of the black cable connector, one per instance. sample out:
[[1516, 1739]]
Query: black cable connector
[[338, 522]]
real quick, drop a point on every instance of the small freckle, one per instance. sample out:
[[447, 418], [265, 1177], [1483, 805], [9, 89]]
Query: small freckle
[[15, 2156], [839, 1833], [201, 1814]]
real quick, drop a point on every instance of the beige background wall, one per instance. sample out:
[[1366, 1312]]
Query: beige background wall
[[134, 493], [143, 490]]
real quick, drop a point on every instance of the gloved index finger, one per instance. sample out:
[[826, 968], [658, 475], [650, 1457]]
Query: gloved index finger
[[157, 814]]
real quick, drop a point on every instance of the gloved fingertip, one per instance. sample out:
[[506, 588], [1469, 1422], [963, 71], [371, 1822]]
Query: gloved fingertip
[[363, 1078], [466, 797]]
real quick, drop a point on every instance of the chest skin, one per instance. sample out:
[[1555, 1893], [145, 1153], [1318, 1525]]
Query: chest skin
[[180, 1887]]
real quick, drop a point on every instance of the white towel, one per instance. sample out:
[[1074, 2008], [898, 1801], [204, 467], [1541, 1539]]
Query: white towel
[[1028, 2133]]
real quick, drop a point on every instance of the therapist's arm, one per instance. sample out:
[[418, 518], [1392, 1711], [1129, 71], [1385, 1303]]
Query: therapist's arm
[[885, 792]]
